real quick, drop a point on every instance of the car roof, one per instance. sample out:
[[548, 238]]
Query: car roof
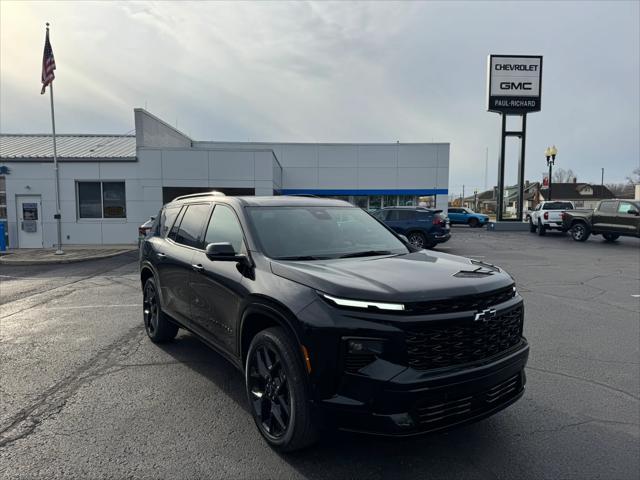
[[424, 209], [267, 201]]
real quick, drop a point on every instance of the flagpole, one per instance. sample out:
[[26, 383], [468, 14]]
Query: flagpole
[[59, 251]]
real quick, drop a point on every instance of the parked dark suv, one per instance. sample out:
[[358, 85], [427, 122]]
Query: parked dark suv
[[423, 227], [334, 319]]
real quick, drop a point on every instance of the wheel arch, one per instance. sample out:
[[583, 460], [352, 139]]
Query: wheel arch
[[258, 316]]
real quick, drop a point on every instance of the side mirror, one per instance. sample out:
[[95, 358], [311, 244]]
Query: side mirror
[[404, 239], [633, 211], [223, 251]]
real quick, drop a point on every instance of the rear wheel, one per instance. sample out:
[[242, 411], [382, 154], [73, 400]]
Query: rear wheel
[[277, 392], [580, 232], [542, 230], [473, 222], [418, 240], [159, 328], [610, 237]]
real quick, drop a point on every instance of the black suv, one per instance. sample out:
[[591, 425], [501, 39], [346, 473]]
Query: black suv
[[334, 319], [423, 227]]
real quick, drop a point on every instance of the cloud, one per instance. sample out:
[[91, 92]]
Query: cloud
[[336, 71]]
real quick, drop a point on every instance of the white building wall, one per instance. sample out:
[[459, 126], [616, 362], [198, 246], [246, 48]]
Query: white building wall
[[314, 168]]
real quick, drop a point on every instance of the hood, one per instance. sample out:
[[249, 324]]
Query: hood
[[413, 277]]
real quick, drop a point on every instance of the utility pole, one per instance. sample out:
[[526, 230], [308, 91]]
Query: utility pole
[[486, 169], [602, 177]]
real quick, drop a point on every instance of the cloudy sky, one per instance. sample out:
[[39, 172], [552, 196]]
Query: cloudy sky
[[335, 72]]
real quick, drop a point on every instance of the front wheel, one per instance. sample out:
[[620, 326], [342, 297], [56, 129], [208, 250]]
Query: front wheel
[[473, 222], [277, 391], [579, 232], [159, 328], [610, 237], [532, 227]]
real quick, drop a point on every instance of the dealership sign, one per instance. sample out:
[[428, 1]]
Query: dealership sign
[[514, 83]]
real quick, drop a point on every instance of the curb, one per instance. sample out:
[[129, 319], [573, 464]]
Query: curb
[[6, 259]]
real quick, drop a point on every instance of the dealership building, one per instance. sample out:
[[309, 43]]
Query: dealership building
[[110, 184]]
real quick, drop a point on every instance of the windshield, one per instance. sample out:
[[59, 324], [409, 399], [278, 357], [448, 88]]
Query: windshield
[[311, 233], [557, 206]]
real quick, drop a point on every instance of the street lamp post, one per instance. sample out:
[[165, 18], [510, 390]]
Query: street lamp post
[[475, 200], [550, 153]]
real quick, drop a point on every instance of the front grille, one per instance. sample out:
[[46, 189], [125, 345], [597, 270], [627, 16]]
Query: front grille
[[445, 345], [461, 304], [434, 414]]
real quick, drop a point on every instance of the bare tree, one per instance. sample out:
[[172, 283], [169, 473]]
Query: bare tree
[[560, 175], [634, 177], [618, 189]]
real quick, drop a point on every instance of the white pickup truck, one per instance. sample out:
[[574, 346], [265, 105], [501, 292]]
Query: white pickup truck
[[548, 216]]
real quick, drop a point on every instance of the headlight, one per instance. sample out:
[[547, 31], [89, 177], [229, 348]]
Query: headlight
[[344, 302]]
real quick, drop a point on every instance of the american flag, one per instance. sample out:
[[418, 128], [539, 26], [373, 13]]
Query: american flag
[[48, 64]]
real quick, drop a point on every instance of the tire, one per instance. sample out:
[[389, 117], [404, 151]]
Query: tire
[[532, 227], [580, 232], [473, 222], [418, 240], [542, 231], [610, 237], [277, 391], [158, 327]]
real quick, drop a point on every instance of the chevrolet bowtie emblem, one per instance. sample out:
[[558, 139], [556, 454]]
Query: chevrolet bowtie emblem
[[486, 315]]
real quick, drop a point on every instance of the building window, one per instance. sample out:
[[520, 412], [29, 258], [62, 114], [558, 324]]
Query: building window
[[101, 200]]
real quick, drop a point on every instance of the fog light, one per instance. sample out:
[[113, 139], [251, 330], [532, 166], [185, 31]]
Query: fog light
[[364, 346], [402, 420]]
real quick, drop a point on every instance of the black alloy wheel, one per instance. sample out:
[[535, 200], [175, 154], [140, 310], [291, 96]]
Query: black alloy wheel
[[277, 391], [269, 391], [473, 222], [532, 227], [150, 308], [158, 327], [541, 229], [579, 232]]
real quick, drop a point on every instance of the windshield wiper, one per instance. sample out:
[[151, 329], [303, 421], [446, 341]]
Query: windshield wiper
[[367, 253], [301, 257]]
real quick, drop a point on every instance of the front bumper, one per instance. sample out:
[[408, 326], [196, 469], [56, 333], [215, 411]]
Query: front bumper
[[386, 396], [421, 402]]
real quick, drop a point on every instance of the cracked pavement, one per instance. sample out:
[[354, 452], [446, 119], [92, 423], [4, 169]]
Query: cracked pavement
[[84, 394]]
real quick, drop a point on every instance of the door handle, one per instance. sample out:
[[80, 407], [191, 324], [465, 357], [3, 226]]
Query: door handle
[[198, 268], [161, 255]]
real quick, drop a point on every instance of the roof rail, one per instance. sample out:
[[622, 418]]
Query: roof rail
[[308, 195], [213, 193]]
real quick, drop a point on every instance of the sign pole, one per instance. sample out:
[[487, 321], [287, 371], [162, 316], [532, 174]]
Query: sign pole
[[500, 199], [59, 251], [523, 139]]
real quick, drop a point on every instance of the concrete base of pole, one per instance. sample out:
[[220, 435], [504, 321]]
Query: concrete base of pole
[[59, 252]]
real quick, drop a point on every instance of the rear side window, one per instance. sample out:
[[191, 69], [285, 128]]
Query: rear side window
[[166, 219], [625, 207], [422, 216], [402, 215], [224, 227], [190, 231], [607, 207]]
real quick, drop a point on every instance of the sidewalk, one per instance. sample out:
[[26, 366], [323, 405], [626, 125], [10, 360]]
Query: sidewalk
[[72, 254]]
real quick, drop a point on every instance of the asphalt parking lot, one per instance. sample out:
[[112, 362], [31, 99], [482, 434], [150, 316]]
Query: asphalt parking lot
[[84, 394]]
